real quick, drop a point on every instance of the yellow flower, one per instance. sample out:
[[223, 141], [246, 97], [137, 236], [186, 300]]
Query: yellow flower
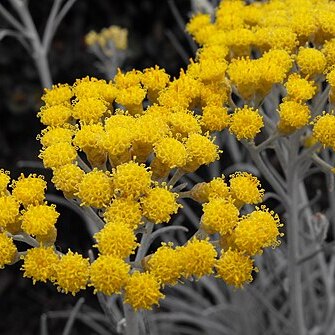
[[246, 123], [142, 291], [117, 141], [234, 268], [128, 79], [311, 61], [55, 116], [72, 273], [214, 118], [38, 220], [198, 22], [324, 130], [8, 250], [29, 190], [108, 274], [165, 264], [220, 216], [170, 152], [53, 135], [58, 154], [119, 120], [89, 109], [9, 211], [39, 264], [183, 123], [299, 89], [257, 230], [116, 239], [57, 95], [67, 178], [245, 188], [197, 257], [4, 181], [132, 98], [125, 210], [329, 51], [131, 179], [95, 189], [159, 204]]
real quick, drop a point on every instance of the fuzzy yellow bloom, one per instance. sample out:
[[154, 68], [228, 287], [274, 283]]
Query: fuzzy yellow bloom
[[293, 115], [39, 264], [9, 211], [201, 150], [257, 230], [55, 116], [299, 89], [49, 238], [119, 120], [324, 130], [197, 257], [53, 135], [183, 123], [4, 181], [245, 189], [89, 109], [159, 204], [311, 61], [170, 152], [95, 189], [329, 51], [117, 141], [142, 291], [132, 98], [220, 216], [57, 95], [208, 70], [72, 273], [234, 268], [131, 179], [125, 210], [58, 154], [89, 137], [67, 178], [198, 22], [29, 190], [127, 79], [38, 220], [165, 264], [116, 239], [93, 88], [108, 274], [8, 250], [214, 118]]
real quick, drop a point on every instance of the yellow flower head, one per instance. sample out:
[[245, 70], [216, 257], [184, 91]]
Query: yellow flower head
[[8, 250], [93, 88], [142, 291], [234, 268], [53, 135], [57, 95], [201, 150], [170, 152], [220, 216], [311, 61], [324, 130], [95, 189], [38, 220], [128, 79], [9, 211], [245, 188], [89, 109], [257, 230], [214, 118], [49, 238], [39, 264], [293, 115], [116, 239], [165, 264], [29, 190], [198, 22], [72, 273], [159, 204], [197, 258], [119, 120], [329, 51], [132, 98], [58, 154], [131, 179], [299, 89], [108, 274], [67, 178], [125, 210], [246, 123], [55, 116], [117, 141], [182, 123], [4, 181]]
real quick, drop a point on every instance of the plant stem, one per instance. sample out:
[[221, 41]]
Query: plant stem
[[132, 327]]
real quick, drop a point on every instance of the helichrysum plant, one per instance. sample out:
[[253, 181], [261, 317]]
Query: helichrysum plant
[[264, 72]]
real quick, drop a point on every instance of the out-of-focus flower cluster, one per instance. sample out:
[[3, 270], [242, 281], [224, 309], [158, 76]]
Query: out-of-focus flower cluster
[[119, 147]]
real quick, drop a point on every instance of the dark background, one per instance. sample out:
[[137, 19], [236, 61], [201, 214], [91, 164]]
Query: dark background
[[22, 303]]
